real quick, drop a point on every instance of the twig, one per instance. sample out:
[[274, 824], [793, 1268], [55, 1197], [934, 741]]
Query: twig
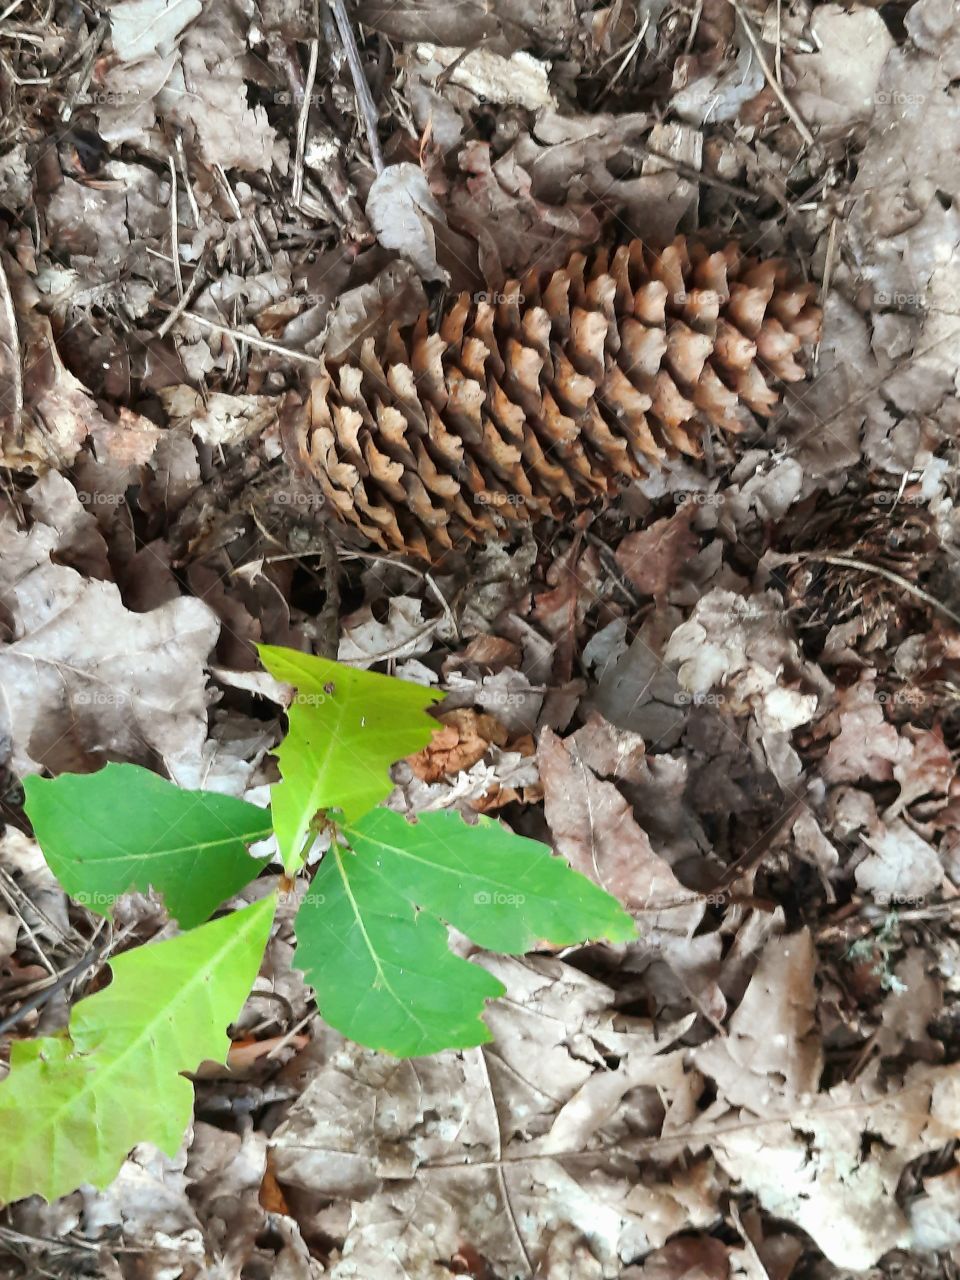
[[829, 260], [199, 278], [303, 120], [191, 198], [47, 994], [774, 84], [11, 903], [174, 232], [239, 336], [354, 554], [12, 339], [86, 70], [848, 562], [241, 217], [364, 97], [630, 54]]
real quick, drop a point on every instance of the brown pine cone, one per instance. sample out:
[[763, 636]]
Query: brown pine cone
[[550, 396]]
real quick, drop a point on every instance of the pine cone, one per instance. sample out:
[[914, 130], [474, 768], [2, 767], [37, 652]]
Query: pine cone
[[551, 395]]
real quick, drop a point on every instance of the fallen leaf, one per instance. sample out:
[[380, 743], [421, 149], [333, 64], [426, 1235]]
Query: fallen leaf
[[653, 558], [87, 681], [142, 27], [402, 211], [465, 738]]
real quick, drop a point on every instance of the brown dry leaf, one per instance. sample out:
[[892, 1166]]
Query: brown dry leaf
[[206, 95], [408, 1154], [497, 206], [774, 1030], [737, 654], [45, 412], [500, 777], [686, 1258], [394, 296], [902, 868], [85, 680], [743, 646], [506, 24], [465, 738], [804, 1153], [924, 769], [653, 558], [139, 28], [489, 76], [935, 1215], [611, 752], [403, 211], [866, 746], [404, 634], [594, 829], [215, 417], [905, 231], [837, 85]]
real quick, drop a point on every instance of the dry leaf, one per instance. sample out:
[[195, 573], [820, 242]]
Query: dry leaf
[[653, 558], [85, 680], [402, 211]]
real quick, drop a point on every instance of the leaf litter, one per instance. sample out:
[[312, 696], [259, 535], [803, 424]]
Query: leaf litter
[[730, 697]]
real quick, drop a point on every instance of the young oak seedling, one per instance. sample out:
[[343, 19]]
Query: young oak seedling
[[371, 932]]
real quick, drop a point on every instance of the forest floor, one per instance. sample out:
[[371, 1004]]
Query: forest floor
[[732, 695]]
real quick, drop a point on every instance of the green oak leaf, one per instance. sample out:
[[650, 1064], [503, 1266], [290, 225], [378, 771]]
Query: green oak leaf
[[75, 1104], [124, 828], [346, 728], [371, 930]]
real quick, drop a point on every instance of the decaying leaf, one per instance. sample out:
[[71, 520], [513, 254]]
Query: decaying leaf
[[84, 679], [402, 212]]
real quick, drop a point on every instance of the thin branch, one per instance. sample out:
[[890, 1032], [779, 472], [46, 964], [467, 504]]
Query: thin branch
[[848, 562], [239, 336], [47, 994], [364, 96], [174, 229], [12, 341], [302, 122], [772, 81]]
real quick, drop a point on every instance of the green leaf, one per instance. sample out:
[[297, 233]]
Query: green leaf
[[347, 728], [372, 941], [75, 1104], [125, 828]]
